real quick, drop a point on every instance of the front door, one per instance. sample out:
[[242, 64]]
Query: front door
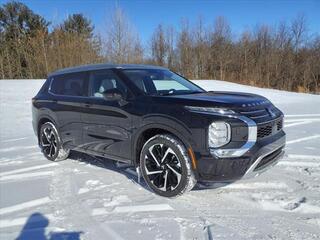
[[106, 124]]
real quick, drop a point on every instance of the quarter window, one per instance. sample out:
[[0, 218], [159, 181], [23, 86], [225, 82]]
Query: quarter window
[[69, 84]]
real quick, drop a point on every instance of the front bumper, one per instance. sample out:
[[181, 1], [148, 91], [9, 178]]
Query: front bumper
[[263, 155], [268, 156]]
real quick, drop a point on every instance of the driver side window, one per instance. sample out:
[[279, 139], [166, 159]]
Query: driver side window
[[103, 80]]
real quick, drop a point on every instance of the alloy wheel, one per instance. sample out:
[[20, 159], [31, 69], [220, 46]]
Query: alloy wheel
[[163, 167], [49, 142]]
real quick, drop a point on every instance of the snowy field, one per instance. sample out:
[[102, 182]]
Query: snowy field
[[88, 198]]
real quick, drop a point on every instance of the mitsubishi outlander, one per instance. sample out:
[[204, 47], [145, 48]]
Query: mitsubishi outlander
[[172, 131]]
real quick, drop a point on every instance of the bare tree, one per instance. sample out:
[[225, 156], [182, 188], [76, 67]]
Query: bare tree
[[185, 50], [298, 29], [220, 46], [159, 47], [170, 42], [121, 42], [284, 56], [200, 49]]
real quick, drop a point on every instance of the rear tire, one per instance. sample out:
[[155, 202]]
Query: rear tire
[[166, 167], [50, 143]]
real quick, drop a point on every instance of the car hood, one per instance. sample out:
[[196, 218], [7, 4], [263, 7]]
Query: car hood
[[216, 99]]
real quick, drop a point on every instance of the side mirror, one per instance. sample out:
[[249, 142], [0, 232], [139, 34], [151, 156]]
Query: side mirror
[[113, 94]]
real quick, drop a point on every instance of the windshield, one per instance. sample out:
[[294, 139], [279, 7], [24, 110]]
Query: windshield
[[161, 82]]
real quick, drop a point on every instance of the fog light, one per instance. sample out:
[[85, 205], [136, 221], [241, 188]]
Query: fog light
[[219, 134]]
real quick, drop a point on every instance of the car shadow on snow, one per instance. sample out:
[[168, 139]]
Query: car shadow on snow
[[130, 172], [35, 229], [122, 168], [210, 185]]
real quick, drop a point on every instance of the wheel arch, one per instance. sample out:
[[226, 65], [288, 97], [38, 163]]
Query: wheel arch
[[43, 119], [151, 130]]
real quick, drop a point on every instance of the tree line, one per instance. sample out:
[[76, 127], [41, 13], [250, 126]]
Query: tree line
[[285, 56]]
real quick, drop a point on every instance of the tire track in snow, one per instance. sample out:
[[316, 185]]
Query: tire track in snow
[[304, 157], [24, 176], [302, 115], [133, 209], [11, 149], [27, 169], [301, 120], [6, 223], [247, 186], [14, 139], [297, 124], [127, 210], [303, 139], [32, 155], [68, 208], [275, 205], [299, 164], [25, 205]]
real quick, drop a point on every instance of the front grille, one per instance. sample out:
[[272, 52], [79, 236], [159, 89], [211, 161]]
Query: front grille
[[279, 124], [267, 160], [256, 114], [264, 131], [267, 125], [269, 128]]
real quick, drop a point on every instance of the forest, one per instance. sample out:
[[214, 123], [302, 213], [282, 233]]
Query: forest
[[283, 56]]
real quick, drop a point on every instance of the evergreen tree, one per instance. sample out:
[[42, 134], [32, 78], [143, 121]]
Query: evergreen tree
[[78, 24], [17, 21]]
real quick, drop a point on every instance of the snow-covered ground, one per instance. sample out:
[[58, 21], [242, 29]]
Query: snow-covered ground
[[96, 199]]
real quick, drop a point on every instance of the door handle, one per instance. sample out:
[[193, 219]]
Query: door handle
[[87, 104]]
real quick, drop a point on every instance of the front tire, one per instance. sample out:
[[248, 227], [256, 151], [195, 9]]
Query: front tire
[[50, 143], [165, 166]]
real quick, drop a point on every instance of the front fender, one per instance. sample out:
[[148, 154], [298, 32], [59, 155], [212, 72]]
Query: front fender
[[163, 122]]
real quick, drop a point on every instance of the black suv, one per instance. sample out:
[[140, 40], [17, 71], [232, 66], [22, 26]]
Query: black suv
[[171, 130]]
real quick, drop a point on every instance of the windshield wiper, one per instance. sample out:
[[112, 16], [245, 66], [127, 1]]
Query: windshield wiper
[[178, 93], [194, 92], [166, 94]]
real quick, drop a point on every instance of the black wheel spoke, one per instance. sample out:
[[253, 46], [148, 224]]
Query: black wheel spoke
[[47, 134], [165, 155], [175, 172], [172, 180], [153, 157], [50, 152], [48, 142], [165, 184], [163, 167]]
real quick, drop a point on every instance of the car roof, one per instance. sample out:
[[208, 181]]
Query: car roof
[[101, 66]]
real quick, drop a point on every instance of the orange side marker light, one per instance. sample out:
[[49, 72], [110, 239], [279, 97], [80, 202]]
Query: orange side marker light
[[193, 158]]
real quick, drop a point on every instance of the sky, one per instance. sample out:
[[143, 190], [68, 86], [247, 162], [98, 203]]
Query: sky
[[147, 14]]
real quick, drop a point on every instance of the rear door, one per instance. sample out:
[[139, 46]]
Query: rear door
[[68, 92], [107, 124]]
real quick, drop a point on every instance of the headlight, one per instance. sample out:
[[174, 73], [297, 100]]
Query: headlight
[[222, 111], [219, 134]]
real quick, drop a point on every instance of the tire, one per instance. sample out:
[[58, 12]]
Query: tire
[[166, 167], [50, 143]]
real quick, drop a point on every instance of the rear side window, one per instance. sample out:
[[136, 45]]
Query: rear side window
[[72, 84], [45, 86]]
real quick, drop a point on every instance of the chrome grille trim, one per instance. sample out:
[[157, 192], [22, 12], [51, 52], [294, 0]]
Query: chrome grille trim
[[262, 116], [254, 111]]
